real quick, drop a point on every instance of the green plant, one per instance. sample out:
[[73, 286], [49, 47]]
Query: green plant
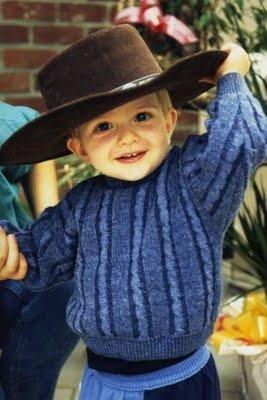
[[251, 245], [71, 171], [212, 21], [246, 23], [202, 16]]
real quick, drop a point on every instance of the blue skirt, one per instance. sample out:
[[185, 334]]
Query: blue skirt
[[165, 384]]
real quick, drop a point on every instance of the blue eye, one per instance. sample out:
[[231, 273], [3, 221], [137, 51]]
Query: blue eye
[[142, 116], [103, 126]]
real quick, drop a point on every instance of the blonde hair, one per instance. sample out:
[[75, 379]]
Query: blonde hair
[[164, 100]]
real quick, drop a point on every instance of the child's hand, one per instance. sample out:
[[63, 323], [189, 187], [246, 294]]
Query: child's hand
[[13, 264], [236, 61]]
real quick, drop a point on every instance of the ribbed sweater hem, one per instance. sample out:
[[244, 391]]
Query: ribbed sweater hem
[[163, 377], [149, 349]]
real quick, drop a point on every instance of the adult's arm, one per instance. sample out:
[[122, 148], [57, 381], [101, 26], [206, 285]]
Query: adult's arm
[[40, 186]]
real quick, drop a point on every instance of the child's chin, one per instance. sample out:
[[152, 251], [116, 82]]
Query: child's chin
[[132, 177], [136, 178]]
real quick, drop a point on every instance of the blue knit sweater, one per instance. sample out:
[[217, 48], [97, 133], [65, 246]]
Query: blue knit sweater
[[146, 255]]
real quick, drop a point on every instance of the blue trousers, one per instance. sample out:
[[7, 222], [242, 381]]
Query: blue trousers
[[37, 346], [204, 385]]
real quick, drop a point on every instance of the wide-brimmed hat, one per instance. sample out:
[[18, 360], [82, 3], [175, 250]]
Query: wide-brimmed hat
[[94, 75]]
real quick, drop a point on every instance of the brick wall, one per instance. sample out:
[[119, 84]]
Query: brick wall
[[33, 31]]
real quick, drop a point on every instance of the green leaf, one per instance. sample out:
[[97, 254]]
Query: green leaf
[[248, 259], [252, 244], [261, 238], [242, 295], [240, 4], [194, 3], [228, 14], [204, 20]]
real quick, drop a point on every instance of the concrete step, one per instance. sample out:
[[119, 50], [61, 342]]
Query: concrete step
[[231, 396]]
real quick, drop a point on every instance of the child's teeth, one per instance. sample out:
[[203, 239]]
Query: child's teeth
[[130, 155]]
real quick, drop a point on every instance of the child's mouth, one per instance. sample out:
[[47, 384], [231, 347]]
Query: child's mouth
[[131, 158]]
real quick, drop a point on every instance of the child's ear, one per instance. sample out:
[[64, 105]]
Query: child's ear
[[75, 146], [171, 120]]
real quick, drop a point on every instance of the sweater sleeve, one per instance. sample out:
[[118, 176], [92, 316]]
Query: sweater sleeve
[[49, 245], [218, 164]]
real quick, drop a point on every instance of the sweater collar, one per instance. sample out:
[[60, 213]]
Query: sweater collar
[[120, 183]]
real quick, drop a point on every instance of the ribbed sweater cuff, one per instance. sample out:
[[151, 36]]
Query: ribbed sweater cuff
[[232, 83]]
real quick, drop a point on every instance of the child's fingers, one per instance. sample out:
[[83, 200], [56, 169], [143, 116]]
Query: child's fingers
[[236, 61], [3, 248], [22, 268], [13, 264], [12, 261], [229, 47]]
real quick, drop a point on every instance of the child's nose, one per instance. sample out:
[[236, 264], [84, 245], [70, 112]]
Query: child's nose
[[127, 136]]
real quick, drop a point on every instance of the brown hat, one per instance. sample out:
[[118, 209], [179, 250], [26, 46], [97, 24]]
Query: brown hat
[[105, 70]]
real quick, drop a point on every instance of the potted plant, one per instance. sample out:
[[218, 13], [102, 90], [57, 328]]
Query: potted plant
[[242, 325], [250, 244]]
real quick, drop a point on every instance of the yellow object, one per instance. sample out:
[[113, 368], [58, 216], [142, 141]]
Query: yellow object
[[250, 326], [218, 338], [256, 302]]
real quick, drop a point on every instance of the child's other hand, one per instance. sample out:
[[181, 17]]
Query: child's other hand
[[13, 264], [236, 61]]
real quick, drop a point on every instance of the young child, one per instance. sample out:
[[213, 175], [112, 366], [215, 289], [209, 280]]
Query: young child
[[144, 238]]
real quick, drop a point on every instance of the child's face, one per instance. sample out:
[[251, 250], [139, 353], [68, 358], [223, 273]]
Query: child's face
[[139, 126]]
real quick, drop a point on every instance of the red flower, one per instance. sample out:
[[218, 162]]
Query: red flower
[[150, 14]]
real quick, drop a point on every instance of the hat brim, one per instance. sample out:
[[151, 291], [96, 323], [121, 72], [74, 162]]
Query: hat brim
[[45, 137]]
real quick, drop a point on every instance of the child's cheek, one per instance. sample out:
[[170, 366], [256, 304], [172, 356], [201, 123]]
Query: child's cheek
[[102, 140], [149, 128], [152, 129]]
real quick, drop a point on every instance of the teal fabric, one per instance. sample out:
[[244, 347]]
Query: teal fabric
[[11, 119]]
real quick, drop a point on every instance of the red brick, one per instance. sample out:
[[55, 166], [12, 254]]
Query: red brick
[[82, 12], [57, 34], [114, 12], [179, 136], [187, 125], [28, 10], [13, 34], [26, 58], [14, 82], [188, 118], [35, 102], [35, 81]]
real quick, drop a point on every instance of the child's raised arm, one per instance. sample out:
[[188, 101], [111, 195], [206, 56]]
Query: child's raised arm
[[217, 165]]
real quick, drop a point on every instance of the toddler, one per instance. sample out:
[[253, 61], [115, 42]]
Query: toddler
[[143, 239]]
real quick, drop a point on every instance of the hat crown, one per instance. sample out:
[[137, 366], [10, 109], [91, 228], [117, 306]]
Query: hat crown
[[103, 61]]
